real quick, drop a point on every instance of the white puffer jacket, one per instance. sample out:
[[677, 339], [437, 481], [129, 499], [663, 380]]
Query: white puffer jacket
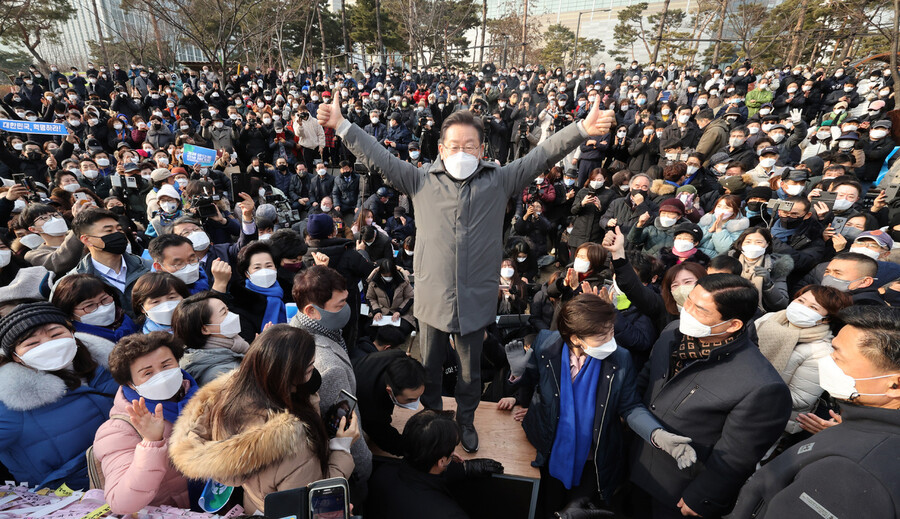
[[801, 374]]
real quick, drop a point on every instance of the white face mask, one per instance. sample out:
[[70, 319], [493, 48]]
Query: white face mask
[[682, 245], [767, 163], [839, 384], [90, 173], [596, 184], [162, 386], [752, 251], [665, 221], [461, 165], [199, 239], [865, 251], [878, 134], [648, 131], [264, 237], [683, 119], [52, 355], [5, 257], [725, 213], [690, 326], [104, 315], [581, 265], [162, 313], [507, 272], [32, 241], [189, 273], [692, 169], [230, 326], [604, 350], [263, 278], [793, 190], [842, 205], [802, 316], [169, 207], [55, 227]]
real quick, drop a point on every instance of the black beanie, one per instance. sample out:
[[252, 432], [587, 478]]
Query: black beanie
[[23, 319], [759, 192]]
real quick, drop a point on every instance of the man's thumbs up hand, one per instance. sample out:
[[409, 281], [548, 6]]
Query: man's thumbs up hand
[[330, 116]]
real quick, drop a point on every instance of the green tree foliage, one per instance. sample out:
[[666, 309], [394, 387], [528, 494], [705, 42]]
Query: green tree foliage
[[559, 44], [630, 29], [671, 50], [12, 61], [28, 23], [363, 28]]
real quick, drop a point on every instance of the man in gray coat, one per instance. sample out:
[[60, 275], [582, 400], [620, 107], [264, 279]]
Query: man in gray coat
[[459, 202]]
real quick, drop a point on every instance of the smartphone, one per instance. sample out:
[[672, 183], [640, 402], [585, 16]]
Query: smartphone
[[29, 184], [116, 180], [353, 402], [826, 197], [18, 178], [329, 499], [240, 183], [665, 96], [608, 285], [504, 287], [79, 197]]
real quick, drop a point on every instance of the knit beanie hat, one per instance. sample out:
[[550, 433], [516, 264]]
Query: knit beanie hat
[[25, 318], [686, 189], [672, 205]]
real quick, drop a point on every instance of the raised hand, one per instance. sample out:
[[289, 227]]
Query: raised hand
[[330, 116], [151, 426], [598, 122]]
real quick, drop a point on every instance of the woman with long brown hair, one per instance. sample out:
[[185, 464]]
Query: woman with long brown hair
[[259, 427]]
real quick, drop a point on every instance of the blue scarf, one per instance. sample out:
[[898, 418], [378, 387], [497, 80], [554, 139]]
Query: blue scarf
[[171, 409], [781, 232], [152, 326], [275, 312], [202, 282], [577, 406], [111, 334]]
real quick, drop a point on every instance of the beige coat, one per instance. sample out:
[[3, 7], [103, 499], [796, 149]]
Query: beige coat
[[271, 453], [380, 302]]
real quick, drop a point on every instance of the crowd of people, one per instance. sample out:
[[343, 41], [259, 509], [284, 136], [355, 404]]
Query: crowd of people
[[682, 282]]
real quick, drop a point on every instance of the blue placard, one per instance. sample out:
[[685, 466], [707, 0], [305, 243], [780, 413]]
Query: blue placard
[[197, 155], [38, 127]]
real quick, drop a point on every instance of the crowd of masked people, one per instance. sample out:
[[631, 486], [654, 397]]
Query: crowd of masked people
[[702, 297]]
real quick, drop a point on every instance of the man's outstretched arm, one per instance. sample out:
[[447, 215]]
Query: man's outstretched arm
[[401, 174]]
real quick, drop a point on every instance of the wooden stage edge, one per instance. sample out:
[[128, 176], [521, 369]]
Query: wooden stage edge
[[500, 437]]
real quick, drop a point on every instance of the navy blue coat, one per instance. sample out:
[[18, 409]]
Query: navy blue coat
[[45, 428], [616, 396]]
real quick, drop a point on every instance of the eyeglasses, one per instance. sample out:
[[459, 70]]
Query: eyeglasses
[[47, 217], [90, 307], [470, 149]]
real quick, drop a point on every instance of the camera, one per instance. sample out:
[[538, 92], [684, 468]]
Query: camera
[[204, 206], [286, 215], [532, 194]]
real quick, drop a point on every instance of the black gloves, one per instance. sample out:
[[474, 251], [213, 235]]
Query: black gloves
[[482, 467]]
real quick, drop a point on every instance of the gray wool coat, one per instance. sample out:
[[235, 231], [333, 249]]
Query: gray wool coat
[[459, 243]]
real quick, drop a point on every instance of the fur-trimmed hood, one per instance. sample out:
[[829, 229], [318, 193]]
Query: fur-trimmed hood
[[660, 187], [24, 389], [735, 225], [266, 441]]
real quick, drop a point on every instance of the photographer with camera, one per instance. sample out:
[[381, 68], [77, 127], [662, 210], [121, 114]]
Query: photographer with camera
[[133, 189], [427, 133], [203, 203], [527, 136]]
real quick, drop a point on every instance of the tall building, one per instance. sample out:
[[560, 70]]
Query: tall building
[[74, 35]]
